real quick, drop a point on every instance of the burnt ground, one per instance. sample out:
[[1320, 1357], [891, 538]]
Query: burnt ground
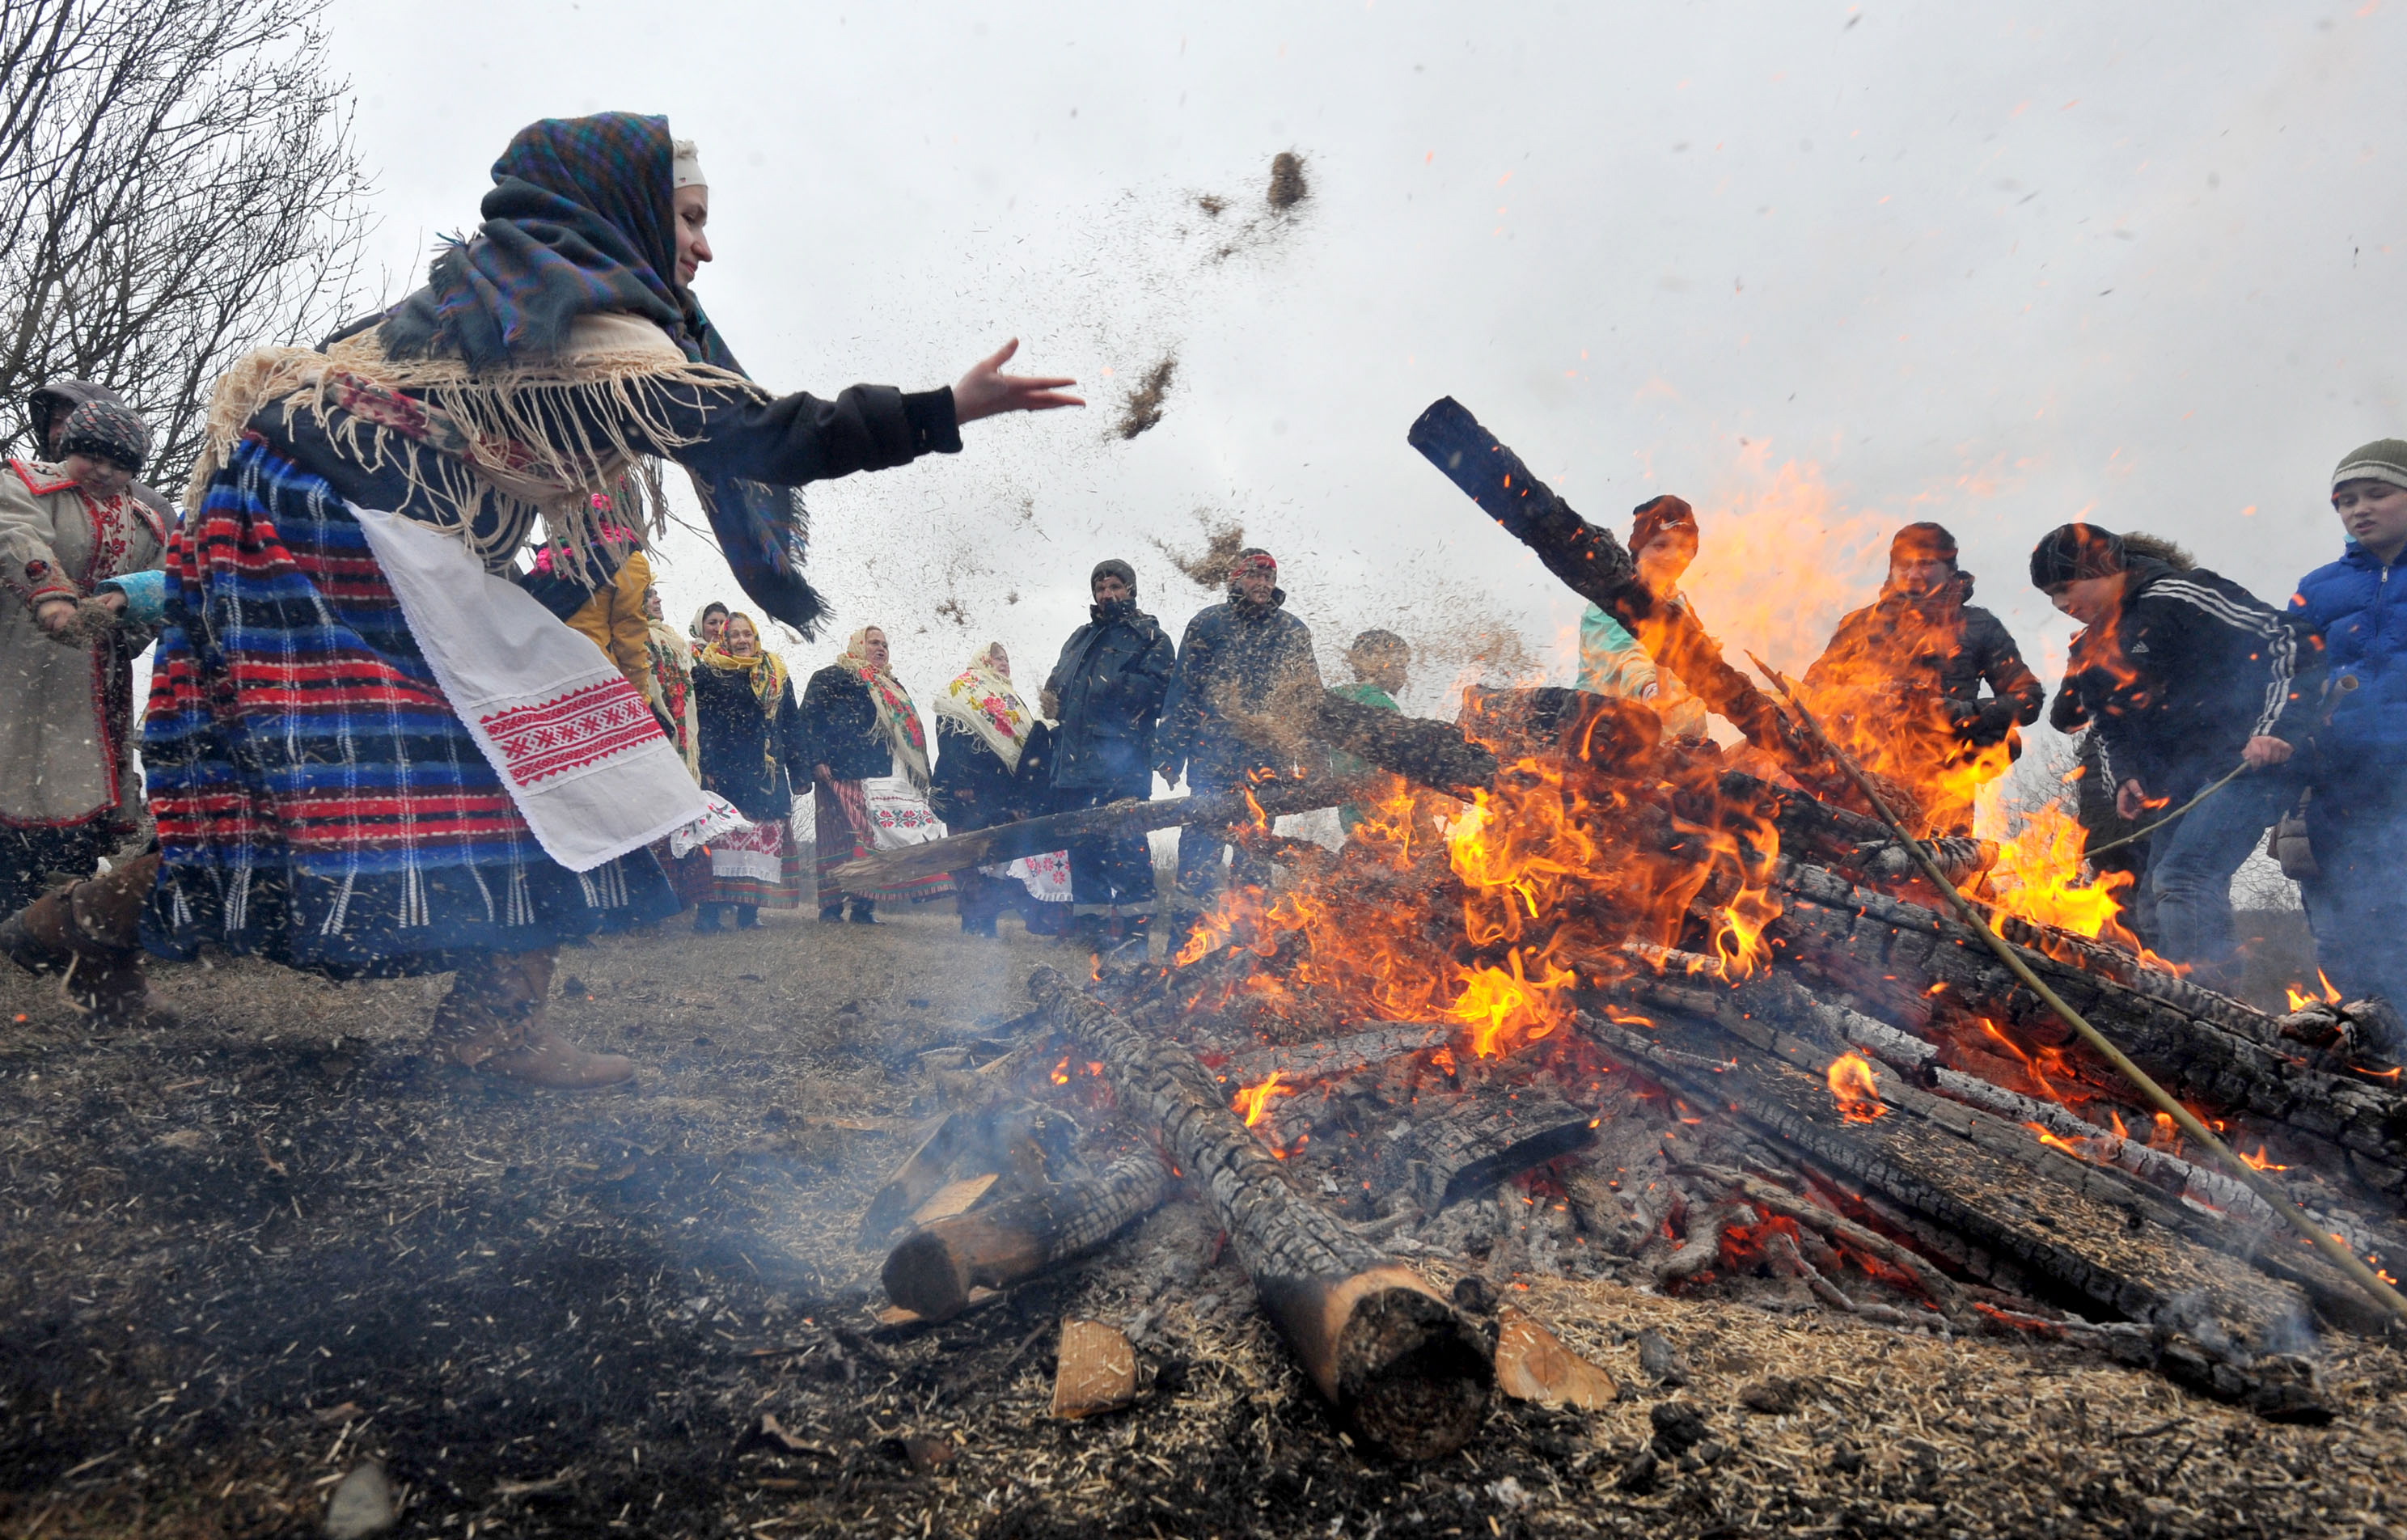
[[239, 1258]]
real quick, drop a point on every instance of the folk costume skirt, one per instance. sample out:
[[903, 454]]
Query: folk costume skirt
[[318, 801], [866, 816], [762, 866]]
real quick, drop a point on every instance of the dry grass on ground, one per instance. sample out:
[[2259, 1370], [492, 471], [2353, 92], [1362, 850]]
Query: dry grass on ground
[[242, 1257]]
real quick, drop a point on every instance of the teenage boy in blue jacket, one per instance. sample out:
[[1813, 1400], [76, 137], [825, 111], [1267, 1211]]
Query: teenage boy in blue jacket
[[2357, 821]]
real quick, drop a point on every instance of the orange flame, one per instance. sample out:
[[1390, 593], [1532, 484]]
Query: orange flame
[[1254, 1101], [2038, 877], [2259, 1160], [2300, 1000], [1857, 1089]]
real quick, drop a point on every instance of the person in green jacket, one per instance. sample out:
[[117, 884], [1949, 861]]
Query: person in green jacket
[[1378, 659], [1663, 541]]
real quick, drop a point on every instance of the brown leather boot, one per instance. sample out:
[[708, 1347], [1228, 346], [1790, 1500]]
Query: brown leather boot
[[90, 934], [494, 1022]]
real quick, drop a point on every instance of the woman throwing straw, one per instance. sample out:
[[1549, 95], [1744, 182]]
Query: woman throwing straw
[[368, 754]]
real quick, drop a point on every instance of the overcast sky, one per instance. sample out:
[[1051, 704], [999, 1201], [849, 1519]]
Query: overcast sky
[[1820, 268]]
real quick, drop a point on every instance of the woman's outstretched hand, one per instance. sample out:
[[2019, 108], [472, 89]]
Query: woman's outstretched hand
[[986, 389]]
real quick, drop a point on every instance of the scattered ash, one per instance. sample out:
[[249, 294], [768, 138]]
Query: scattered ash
[[1212, 204], [1144, 407], [1288, 186], [1209, 567], [246, 1257]]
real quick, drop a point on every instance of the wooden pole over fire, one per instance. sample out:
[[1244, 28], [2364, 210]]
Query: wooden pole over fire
[[2256, 1181]]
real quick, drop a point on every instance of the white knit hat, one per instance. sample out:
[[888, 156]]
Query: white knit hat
[[685, 165]]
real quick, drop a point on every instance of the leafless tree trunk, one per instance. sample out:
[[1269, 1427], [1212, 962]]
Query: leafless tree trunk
[[178, 186]]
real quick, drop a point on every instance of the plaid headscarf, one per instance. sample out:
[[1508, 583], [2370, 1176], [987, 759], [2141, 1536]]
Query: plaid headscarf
[[582, 218]]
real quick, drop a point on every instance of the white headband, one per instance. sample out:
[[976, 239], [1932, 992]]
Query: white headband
[[685, 165]]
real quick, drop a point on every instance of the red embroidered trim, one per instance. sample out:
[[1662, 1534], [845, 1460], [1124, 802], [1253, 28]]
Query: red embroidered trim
[[40, 489], [581, 728]]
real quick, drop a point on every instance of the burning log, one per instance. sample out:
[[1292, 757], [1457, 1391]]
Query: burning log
[[1434, 753], [1383, 1346], [932, 1270], [1340, 1056], [1894, 957], [1594, 566], [1056, 831], [2085, 1236]]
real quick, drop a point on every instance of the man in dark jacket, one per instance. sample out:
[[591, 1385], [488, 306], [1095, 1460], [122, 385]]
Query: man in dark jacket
[[1900, 681], [1106, 691], [2357, 822], [2185, 676], [1246, 657]]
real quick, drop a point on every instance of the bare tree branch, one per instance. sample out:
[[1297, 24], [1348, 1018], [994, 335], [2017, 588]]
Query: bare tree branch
[[179, 185]]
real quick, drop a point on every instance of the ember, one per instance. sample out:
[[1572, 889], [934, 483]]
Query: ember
[[1856, 1089]]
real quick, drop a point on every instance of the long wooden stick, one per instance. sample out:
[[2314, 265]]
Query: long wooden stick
[[2248, 1176]]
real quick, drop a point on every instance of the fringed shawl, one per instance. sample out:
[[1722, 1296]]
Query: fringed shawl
[[532, 372], [982, 700], [898, 719]]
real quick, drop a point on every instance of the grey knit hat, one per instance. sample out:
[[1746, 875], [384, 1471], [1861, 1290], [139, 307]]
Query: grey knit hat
[[1113, 566], [2383, 460]]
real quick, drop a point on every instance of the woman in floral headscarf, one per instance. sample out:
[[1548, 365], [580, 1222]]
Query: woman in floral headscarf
[[870, 777], [982, 733], [753, 750]]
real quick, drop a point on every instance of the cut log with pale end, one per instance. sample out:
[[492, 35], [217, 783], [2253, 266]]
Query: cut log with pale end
[[1058, 831], [1533, 1365], [1385, 1348], [1419, 749], [935, 1271], [1094, 1370]]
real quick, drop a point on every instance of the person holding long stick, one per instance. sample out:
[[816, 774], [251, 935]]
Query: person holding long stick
[[368, 755], [2188, 677]]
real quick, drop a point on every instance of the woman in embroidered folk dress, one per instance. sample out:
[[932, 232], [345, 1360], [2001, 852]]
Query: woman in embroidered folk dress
[[354, 767], [870, 775], [982, 728], [752, 748], [69, 788]]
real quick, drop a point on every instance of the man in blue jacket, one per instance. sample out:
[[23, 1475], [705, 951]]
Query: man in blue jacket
[[1106, 691], [2357, 821], [2186, 676], [1248, 657]]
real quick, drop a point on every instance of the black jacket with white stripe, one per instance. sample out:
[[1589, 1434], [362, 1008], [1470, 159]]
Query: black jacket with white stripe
[[2187, 671]]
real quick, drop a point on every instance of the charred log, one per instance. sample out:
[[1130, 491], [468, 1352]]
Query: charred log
[[1383, 1346], [931, 1272]]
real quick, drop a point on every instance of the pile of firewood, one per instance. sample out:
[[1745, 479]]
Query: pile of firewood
[[1854, 1106]]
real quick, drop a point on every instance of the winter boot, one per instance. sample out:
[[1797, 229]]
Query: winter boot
[[493, 1022], [830, 914], [90, 934], [748, 917], [706, 919], [863, 912], [1086, 933]]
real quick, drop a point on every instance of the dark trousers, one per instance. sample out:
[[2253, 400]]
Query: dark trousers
[[2185, 898], [1115, 871], [2359, 904], [1201, 851]]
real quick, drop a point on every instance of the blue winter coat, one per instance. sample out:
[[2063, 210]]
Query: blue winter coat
[[1234, 657], [2362, 620]]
